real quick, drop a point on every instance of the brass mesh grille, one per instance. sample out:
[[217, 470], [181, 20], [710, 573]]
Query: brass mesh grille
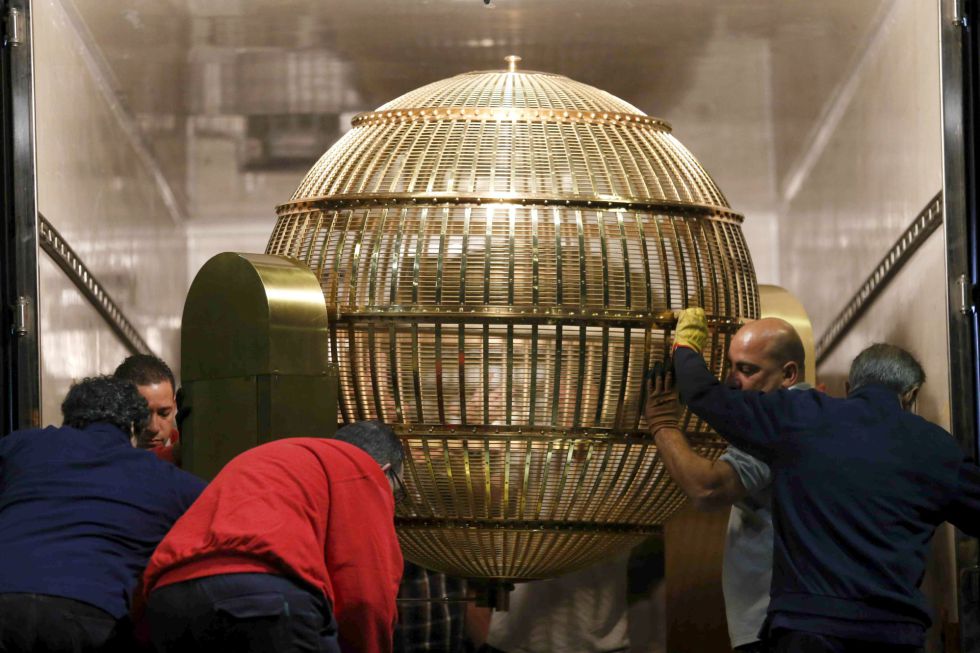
[[499, 252]]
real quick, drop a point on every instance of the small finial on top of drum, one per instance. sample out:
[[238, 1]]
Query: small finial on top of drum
[[512, 60]]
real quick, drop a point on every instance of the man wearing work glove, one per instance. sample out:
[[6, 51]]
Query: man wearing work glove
[[846, 572], [692, 329], [765, 355]]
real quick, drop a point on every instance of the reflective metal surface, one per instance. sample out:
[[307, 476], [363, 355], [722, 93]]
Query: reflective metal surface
[[500, 252], [255, 359], [98, 185], [779, 302]]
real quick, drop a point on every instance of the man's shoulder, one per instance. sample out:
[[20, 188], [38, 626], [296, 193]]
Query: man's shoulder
[[941, 438], [334, 459]]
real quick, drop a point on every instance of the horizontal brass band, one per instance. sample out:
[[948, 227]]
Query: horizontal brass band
[[520, 315], [494, 433], [433, 523], [509, 115], [666, 207]]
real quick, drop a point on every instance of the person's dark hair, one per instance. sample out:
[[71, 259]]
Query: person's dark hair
[[108, 400], [887, 365], [377, 439], [145, 369]]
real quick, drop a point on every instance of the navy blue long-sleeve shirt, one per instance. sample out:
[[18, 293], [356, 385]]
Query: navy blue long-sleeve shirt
[[859, 486], [82, 510]]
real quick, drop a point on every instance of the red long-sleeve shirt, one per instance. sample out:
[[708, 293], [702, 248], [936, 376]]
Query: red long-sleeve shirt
[[317, 510]]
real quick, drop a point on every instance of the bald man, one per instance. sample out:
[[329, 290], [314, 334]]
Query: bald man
[[764, 355]]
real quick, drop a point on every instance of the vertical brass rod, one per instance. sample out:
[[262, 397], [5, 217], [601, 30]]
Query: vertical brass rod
[[420, 246], [563, 478], [359, 403], [417, 375], [655, 220], [372, 300], [440, 395], [623, 379], [379, 412], [487, 249], [487, 480], [335, 355], [603, 377], [509, 384], [560, 299], [396, 393], [535, 283], [528, 451], [433, 480], [685, 298], [467, 475], [461, 341], [586, 465], [354, 361], [413, 482], [600, 478]]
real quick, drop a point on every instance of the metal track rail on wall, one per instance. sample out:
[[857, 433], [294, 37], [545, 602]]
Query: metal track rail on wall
[[914, 236], [65, 257]]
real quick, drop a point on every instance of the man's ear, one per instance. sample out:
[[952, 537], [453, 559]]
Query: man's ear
[[908, 398], [791, 374]]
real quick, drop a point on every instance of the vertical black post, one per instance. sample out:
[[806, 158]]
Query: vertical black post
[[961, 146], [20, 389]]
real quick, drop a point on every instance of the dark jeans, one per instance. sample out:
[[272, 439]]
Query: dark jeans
[[796, 641], [36, 623], [240, 613], [754, 647]]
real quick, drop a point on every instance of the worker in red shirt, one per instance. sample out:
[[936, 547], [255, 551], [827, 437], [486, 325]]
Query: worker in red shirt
[[292, 547]]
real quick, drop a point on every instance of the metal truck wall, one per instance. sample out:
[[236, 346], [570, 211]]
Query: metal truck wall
[[101, 189]]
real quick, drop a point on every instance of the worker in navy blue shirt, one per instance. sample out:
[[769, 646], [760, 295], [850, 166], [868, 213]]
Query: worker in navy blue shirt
[[859, 486], [81, 510]]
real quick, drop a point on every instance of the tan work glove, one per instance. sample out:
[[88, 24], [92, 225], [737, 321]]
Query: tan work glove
[[662, 409], [692, 330]]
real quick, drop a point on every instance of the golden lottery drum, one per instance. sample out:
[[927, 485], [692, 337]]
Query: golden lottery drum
[[500, 253]]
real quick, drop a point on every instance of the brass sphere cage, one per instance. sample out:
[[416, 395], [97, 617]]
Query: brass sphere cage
[[501, 253]]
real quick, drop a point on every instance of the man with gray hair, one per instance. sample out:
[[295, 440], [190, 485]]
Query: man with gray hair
[[890, 366], [859, 486]]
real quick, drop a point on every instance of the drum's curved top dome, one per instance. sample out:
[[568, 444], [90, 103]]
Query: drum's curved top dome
[[499, 133]]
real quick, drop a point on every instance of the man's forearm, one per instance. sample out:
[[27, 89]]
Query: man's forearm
[[709, 484]]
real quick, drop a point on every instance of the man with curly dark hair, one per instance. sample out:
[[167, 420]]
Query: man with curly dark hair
[[81, 510]]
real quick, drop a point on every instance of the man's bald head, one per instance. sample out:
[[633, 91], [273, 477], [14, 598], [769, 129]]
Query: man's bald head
[[766, 355]]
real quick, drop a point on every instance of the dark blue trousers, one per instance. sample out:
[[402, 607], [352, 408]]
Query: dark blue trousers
[[38, 623], [240, 613], [797, 641]]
